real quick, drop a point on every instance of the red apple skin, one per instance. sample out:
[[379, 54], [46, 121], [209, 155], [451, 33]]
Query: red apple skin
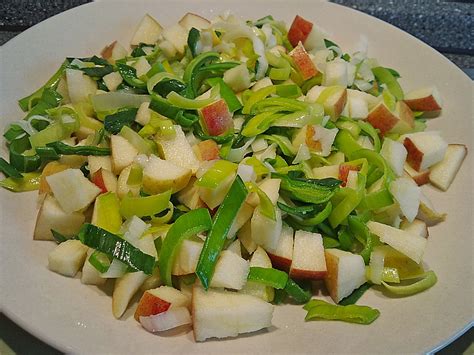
[[208, 150], [425, 104], [303, 62], [381, 117], [422, 178], [280, 262], [414, 156], [344, 170], [106, 53], [98, 180], [150, 305], [216, 118], [299, 30], [307, 274]]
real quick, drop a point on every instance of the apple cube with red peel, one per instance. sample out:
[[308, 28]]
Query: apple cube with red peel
[[443, 173], [216, 118], [159, 300], [420, 177], [303, 62], [213, 317], [172, 318], [124, 289], [424, 149], [344, 170], [309, 261], [207, 150], [425, 99], [401, 120], [333, 99], [299, 30], [105, 180], [282, 255], [346, 272]]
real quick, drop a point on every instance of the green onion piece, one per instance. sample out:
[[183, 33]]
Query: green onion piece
[[219, 172], [376, 200], [190, 104], [129, 75], [226, 93], [220, 228], [260, 123], [280, 104], [265, 205], [114, 246], [28, 102], [100, 261], [58, 237], [62, 148], [157, 78], [351, 313], [318, 218], [346, 143], [299, 295], [425, 281], [352, 127], [191, 74], [134, 138], [308, 190], [20, 155], [268, 276], [9, 170], [193, 38], [187, 225], [355, 295], [48, 100], [165, 218], [29, 182], [113, 123], [384, 76], [144, 206], [107, 212]]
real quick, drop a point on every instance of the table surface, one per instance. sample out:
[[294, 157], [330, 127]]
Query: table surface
[[446, 26]]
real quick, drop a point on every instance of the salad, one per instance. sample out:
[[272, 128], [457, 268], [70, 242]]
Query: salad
[[218, 168]]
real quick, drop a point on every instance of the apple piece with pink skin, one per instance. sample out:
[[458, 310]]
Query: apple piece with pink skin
[[159, 300], [345, 273], [443, 173], [105, 180], [282, 255], [401, 120], [299, 30], [207, 150], [424, 149], [191, 20], [216, 118], [420, 177], [426, 99], [303, 62], [333, 99], [172, 318], [309, 261]]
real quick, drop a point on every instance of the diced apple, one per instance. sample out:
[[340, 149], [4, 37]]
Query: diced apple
[[187, 257], [443, 173], [416, 227], [235, 247], [420, 177], [177, 150], [344, 170], [124, 289], [428, 214], [259, 259], [282, 255], [113, 51], [97, 162], [79, 85], [191, 20], [67, 258], [333, 99], [262, 83], [320, 139], [123, 188], [328, 171], [207, 150], [105, 180], [299, 30], [160, 300], [214, 197], [395, 154], [216, 118], [345, 273], [231, 271], [245, 236], [407, 193], [123, 153], [90, 275], [112, 80], [400, 120], [72, 190], [172, 318], [424, 149], [177, 35], [409, 244], [213, 318], [303, 62], [148, 31], [143, 114], [161, 175], [51, 168], [265, 231], [425, 99], [238, 78], [270, 187], [308, 261], [52, 216], [167, 48], [141, 66], [189, 196], [244, 215], [335, 73]]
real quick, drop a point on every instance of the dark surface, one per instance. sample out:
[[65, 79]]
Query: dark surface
[[445, 25]]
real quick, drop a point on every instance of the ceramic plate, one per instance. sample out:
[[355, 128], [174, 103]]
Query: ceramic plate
[[78, 318]]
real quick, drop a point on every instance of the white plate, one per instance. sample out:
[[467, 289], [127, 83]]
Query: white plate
[[77, 318]]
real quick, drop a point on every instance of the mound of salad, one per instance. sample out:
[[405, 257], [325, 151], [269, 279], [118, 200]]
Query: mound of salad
[[218, 168]]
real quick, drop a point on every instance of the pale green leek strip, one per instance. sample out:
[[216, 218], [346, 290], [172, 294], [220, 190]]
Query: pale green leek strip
[[155, 79], [283, 143], [318, 218], [218, 173], [107, 212], [177, 100], [166, 218], [349, 203], [29, 182], [426, 280], [257, 96], [260, 123], [266, 206], [351, 313], [144, 206], [136, 140]]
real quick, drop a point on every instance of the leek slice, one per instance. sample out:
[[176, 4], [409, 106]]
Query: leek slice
[[351, 313], [144, 206], [426, 280]]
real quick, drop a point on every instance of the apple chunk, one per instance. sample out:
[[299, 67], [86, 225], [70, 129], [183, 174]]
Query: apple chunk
[[407, 193], [425, 99], [231, 271], [161, 175], [124, 289], [395, 154], [67, 258], [282, 255], [420, 177], [333, 99], [443, 173], [400, 120], [424, 149], [148, 31], [309, 261], [207, 150], [221, 314], [159, 300], [346, 272], [187, 257], [299, 30], [105, 180], [123, 153], [303, 62], [172, 318], [216, 118], [191, 20]]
